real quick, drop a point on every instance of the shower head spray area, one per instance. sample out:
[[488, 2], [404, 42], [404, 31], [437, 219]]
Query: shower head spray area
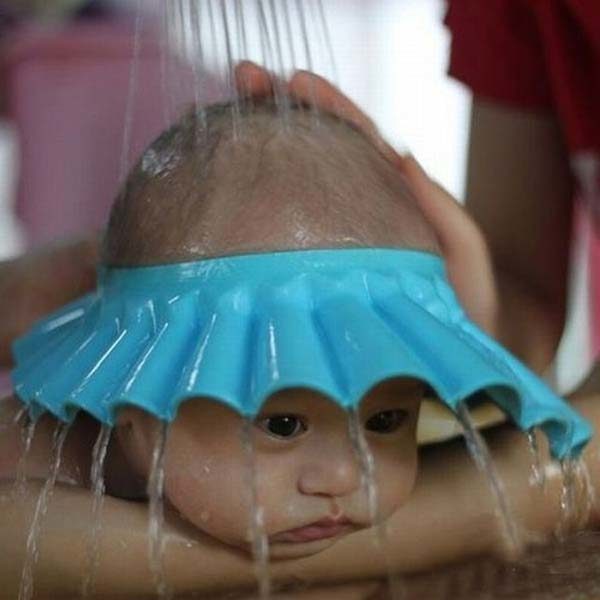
[[238, 329]]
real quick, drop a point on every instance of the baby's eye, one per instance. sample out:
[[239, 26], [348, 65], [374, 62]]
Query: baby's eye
[[386, 421], [283, 426]]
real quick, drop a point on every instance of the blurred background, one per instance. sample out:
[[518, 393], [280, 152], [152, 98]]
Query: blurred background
[[390, 57]]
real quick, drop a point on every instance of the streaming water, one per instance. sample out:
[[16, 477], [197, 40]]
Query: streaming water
[[131, 94], [284, 98], [182, 22], [199, 68], [365, 457], [156, 483], [324, 27], [304, 31], [538, 476], [268, 52], [97, 486], [589, 494], [308, 57], [479, 452], [258, 536], [15, 419], [27, 434], [289, 34], [212, 26], [165, 50], [179, 84], [235, 106], [32, 550], [240, 28], [242, 39], [569, 506]]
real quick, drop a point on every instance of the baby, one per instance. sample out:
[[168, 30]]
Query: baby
[[263, 182], [263, 185]]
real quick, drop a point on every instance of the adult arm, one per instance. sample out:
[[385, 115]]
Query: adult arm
[[450, 516], [519, 192]]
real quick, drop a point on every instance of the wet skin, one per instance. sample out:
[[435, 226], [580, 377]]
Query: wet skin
[[308, 471]]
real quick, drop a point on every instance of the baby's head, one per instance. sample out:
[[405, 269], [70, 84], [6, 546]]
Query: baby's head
[[262, 184]]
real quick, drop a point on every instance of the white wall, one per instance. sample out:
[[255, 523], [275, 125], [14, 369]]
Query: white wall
[[11, 240]]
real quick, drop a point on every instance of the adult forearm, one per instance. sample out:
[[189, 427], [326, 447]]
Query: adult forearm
[[519, 191], [191, 564], [530, 325], [451, 516]]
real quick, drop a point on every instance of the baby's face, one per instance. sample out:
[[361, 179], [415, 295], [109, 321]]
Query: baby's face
[[308, 474]]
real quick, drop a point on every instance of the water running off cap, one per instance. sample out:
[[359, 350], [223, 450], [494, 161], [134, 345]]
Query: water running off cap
[[237, 329]]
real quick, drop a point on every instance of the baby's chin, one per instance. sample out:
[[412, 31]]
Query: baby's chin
[[289, 550], [283, 550]]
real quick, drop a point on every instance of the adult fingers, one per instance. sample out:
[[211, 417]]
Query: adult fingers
[[465, 250], [314, 90], [308, 88], [253, 80]]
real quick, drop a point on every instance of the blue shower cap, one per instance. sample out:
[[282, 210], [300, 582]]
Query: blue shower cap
[[239, 328]]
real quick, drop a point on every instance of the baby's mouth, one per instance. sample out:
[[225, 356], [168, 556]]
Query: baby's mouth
[[319, 530]]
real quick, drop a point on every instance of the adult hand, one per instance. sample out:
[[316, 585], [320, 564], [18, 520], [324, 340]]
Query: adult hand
[[463, 245], [42, 281]]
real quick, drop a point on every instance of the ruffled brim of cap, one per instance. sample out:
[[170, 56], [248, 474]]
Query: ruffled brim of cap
[[207, 332]]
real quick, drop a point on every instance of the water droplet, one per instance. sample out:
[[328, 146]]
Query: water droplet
[[26, 587], [97, 485], [481, 456]]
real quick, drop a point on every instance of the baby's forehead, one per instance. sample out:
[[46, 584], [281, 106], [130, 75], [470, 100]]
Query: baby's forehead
[[268, 190]]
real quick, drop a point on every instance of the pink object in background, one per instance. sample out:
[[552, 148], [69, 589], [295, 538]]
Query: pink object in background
[[67, 91]]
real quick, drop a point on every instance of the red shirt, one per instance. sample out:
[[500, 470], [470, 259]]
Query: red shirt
[[533, 54]]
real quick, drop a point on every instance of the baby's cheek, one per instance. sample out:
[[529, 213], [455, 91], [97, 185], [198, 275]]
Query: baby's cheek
[[205, 495], [395, 481]]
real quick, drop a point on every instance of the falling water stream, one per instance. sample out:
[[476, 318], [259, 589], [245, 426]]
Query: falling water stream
[[131, 93], [538, 475], [15, 419], [214, 35], [198, 62], [156, 484], [576, 497], [33, 538], [367, 463], [567, 498], [97, 485], [322, 20], [27, 434], [258, 536], [479, 452]]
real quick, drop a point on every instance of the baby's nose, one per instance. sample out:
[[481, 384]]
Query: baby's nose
[[333, 473]]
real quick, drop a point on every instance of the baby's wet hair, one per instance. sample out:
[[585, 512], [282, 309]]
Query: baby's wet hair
[[219, 183]]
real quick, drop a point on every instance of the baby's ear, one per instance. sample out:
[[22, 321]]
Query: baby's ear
[[465, 250]]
